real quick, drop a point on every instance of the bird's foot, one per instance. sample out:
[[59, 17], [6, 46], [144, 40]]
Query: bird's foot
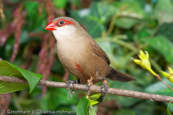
[[90, 83], [72, 82], [105, 87]]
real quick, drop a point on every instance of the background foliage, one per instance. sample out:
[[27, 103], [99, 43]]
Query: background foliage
[[121, 28]]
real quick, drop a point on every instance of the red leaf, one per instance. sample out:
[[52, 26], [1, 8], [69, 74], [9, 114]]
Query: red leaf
[[18, 22]]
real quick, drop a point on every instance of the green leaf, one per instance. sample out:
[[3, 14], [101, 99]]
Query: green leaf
[[31, 8], [128, 16], [8, 87], [166, 29], [124, 101], [59, 95], [160, 88], [164, 11], [8, 69], [145, 110], [92, 102], [60, 3], [125, 111], [95, 18], [95, 96], [125, 23], [36, 21], [162, 45], [168, 112], [91, 110], [82, 106], [144, 32]]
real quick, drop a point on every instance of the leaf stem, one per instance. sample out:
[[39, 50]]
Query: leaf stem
[[158, 77]]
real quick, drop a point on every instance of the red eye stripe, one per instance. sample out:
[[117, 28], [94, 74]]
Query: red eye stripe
[[67, 22]]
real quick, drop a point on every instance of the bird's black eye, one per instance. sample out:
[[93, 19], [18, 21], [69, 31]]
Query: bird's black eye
[[61, 22]]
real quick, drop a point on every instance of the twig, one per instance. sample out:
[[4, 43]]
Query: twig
[[93, 88], [158, 77]]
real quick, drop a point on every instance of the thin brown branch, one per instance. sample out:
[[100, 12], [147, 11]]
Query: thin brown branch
[[112, 91], [158, 77]]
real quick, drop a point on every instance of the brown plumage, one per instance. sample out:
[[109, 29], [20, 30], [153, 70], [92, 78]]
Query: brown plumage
[[80, 54]]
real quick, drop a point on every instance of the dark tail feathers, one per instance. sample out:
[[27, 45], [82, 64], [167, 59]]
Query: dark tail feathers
[[119, 76]]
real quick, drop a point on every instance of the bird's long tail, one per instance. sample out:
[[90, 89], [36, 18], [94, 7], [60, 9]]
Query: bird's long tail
[[119, 76]]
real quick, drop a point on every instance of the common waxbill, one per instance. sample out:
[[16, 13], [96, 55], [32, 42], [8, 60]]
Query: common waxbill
[[80, 54]]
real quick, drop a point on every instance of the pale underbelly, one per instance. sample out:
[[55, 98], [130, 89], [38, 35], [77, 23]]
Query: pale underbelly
[[82, 64], [74, 61]]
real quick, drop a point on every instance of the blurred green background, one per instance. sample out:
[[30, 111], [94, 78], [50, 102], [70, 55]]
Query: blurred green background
[[120, 27]]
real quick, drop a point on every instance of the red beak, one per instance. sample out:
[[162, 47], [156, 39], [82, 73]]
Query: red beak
[[50, 26]]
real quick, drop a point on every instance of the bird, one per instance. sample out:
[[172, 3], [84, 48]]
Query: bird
[[81, 55]]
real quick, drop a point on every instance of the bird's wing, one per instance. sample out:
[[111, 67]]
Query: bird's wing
[[99, 51]]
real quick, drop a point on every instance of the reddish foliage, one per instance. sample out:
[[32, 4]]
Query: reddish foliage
[[4, 102], [14, 27], [46, 56], [50, 10], [60, 12], [28, 56], [86, 3], [51, 57], [105, 108], [45, 62], [19, 22], [42, 62], [4, 34]]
